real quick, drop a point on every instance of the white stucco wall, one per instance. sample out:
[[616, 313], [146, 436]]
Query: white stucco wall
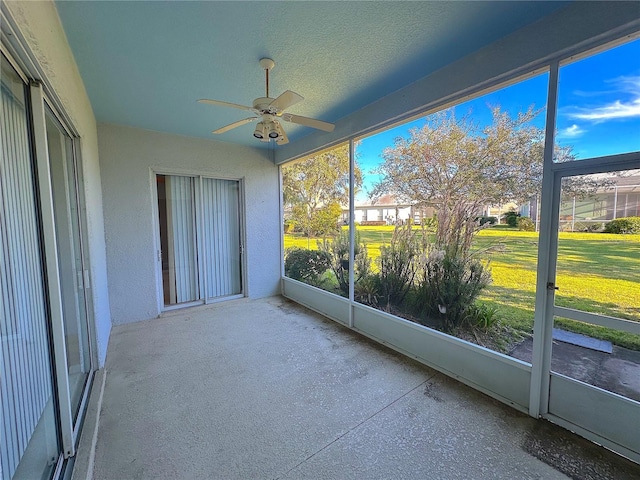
[[127, 156], [39, 25]]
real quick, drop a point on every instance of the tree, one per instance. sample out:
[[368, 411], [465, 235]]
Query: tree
[[457, 167], [314, 189], [321, 221]]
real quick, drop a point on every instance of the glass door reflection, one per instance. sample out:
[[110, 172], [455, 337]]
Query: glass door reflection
[[72, 265]]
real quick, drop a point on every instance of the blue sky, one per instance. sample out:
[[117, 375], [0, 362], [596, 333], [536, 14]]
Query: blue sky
[[598, 108]]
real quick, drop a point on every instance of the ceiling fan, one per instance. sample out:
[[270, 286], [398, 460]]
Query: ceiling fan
[[269, 111]]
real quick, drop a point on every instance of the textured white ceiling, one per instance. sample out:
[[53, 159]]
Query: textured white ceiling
[[145, 64]]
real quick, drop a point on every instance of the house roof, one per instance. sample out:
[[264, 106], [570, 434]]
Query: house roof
[[629, 181], [145, 64]]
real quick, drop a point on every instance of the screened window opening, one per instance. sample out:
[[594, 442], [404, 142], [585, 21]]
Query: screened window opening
[[598, 105], [316, 221], [441, 212]]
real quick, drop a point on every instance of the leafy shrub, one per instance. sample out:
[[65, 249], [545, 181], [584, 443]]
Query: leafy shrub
[[623, 225], [398, 264], [338, 252], [306, 265], [593, 227], [449, 286], [319, 222], [481, 315], [484, 220], [526, 224], [367, 290], [511, 218]]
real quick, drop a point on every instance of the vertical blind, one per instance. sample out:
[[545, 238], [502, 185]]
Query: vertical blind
[[25, 371], [180, 193], [221, 219], [203, 238]]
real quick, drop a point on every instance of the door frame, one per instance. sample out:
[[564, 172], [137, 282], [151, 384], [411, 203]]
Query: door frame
[[198, 175], [575, 410]]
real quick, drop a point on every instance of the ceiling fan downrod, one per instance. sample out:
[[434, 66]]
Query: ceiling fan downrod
[[267, 64]]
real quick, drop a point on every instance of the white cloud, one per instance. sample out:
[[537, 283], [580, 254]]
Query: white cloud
[[617, 109], [571, 132], [626, 106], [628, 83]]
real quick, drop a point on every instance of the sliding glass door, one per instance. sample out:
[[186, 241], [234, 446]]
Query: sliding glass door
[[66, 175], [200, 240], [30, 444], [221, 237], [176, 204]]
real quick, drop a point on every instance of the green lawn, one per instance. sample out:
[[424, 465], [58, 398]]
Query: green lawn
[[596, 272]]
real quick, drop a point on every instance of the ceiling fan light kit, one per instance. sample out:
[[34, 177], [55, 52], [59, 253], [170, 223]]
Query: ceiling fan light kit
[[269, 130], [259, 131], [268, 110]]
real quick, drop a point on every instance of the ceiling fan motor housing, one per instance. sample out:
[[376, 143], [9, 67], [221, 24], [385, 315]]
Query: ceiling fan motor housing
[[262, 104]]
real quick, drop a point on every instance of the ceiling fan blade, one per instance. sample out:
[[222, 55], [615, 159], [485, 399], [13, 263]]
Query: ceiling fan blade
[[225, 104], [308, 122], [235, 124], [285, 100]]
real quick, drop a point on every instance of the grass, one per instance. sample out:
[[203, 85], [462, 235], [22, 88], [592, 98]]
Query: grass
[[596, 272]]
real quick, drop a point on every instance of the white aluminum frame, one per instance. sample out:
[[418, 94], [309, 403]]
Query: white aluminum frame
[[84, 255], [352, 228], [542, 332], [602, 416], [53, 272]]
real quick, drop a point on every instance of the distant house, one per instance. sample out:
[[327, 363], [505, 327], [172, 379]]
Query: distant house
[[592, 212], [498, 210], [386, 210]]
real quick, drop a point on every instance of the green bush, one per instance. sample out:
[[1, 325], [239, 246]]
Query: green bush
[[306, 265], [484, 220], [623, 225], [481, 315], [367, 290], [593, 227], [338, 252], [511, 218], [398, 263], [322, 221], [526, 224], [449, 286]]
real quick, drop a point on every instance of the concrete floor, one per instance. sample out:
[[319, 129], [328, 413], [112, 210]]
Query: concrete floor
[[265, 389], [618, 371]]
